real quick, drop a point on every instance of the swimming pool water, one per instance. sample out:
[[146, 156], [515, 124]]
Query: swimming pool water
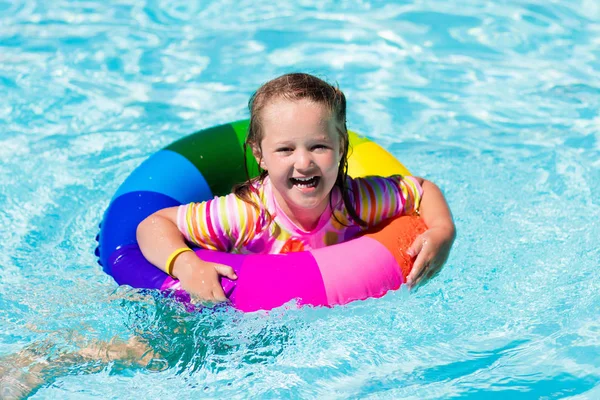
[[496, 102]]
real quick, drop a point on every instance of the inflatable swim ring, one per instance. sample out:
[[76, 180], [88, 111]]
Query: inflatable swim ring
[[208, 163]]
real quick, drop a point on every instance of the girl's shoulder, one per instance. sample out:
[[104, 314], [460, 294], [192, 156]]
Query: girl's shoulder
[[247, 204], [256, 202]]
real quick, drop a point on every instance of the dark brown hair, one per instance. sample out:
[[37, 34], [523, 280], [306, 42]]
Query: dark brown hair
[[298, 86]]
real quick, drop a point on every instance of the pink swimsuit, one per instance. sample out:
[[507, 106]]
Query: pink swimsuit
[[229, 224]]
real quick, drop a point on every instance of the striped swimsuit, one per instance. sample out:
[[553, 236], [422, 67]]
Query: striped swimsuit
[[229, 224]]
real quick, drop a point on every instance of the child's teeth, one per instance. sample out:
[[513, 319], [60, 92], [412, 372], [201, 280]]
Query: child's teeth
[[306, 182]]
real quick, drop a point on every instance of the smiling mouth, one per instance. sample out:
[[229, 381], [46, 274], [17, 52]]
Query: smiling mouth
[[303, 183]]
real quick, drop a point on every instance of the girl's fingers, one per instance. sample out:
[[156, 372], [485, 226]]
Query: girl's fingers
[[420, 264], [225, 270], [202, 294], [210, 291], [417, 269], [416, 246], [217, 291]]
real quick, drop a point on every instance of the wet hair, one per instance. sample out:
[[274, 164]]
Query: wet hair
[[294, 87]]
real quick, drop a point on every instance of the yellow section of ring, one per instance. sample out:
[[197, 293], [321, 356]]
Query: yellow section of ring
[[368, 158]]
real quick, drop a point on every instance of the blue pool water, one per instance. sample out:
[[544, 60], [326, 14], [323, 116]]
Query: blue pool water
[[495, 101]]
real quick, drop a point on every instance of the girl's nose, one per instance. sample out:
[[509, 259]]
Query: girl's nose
[[303, 161]]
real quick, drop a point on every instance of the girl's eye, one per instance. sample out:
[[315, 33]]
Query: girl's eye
[[320, 147], [284, 150]]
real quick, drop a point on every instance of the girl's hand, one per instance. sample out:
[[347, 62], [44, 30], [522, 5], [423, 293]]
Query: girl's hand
[[201, 279], [431, 250]]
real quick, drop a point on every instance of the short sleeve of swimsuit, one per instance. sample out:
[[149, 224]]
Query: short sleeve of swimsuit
[[224, 223], [379, 198]]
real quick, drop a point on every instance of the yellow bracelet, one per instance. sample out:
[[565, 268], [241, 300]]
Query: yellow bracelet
[[171, 260]]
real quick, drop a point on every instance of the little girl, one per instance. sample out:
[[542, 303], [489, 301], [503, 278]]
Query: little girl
[[303, 199]]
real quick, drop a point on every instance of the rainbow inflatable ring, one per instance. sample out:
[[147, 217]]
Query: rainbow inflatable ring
[[208, 163]]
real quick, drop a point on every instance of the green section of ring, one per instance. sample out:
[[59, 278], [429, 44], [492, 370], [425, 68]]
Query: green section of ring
[[241, 130], [216, 152]]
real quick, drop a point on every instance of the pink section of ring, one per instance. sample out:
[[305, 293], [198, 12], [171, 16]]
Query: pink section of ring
[[269, 281], [357, 270]]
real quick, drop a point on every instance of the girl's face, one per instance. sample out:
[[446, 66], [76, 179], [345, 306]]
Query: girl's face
[[301, 150]]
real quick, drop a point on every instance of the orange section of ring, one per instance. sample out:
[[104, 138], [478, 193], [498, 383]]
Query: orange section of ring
[[397, 237]]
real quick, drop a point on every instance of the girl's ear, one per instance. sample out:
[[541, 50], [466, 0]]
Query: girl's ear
[[258, 156]]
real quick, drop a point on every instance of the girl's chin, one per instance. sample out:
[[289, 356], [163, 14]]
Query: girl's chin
[[307, 204]]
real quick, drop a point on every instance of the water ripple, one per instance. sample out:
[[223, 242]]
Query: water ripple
[[495, 102]]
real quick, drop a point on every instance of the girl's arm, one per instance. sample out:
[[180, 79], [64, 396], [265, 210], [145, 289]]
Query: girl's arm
[[158, 237], [431, 248]]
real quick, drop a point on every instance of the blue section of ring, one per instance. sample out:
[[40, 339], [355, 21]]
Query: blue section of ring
[[129, 267], [168, 173], [122, 218]]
